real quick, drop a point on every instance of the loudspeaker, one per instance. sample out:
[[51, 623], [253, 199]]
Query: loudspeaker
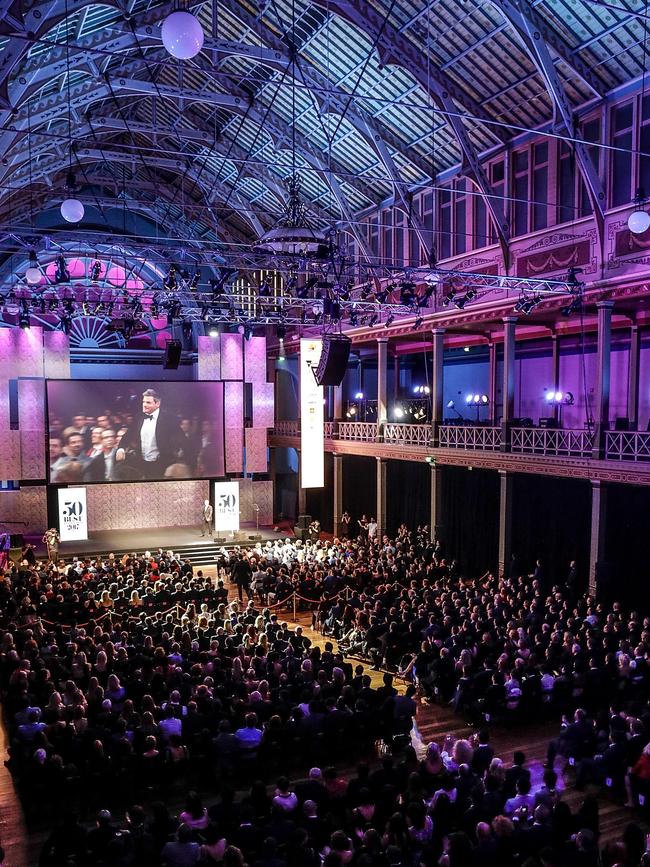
[[333, 361], [256, 537], [301, 533], [16, 540], [304, 521], [172, 354], [622, 422], [549, 422]]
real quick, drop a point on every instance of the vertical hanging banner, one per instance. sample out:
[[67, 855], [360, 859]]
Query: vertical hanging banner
[[226, 507], [73, 517], [312, 438]]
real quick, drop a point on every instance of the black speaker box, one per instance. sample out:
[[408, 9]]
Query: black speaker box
[[333, 360], [622, 422], [304, 521], [16, 540], [549, 422], [172, 354], [301, 533]]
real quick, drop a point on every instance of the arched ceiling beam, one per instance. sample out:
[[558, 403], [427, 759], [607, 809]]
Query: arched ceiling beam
[[518, 14], [543, 30], [329, 101], [95, 156], [395, 48]]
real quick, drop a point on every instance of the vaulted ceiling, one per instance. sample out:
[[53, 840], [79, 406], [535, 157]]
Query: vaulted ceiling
[[375, 96]]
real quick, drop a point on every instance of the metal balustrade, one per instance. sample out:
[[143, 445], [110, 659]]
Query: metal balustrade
[[287, 428], [627, 446], [469, 437], [408, 434], [558, 443], [329, 429], [361, 431]]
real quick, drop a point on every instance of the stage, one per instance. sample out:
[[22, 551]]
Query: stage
[[186, 541]]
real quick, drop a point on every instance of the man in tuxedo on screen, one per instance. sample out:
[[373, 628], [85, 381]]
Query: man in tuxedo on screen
[[152, 442], [104, 467]]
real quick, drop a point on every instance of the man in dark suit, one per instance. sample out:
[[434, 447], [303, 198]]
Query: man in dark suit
[[152, 444], [103, 467], [189, 444]]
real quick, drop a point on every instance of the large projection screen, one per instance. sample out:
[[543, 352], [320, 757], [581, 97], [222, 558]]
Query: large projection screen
[[109, 431]]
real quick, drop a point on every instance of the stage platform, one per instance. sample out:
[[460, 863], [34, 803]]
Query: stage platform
[[186, 541]]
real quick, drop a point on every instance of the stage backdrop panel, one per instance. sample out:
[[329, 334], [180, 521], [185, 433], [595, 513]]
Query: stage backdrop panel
[[256, 450], [234, 450], [256, 493], [255, 356], [28, 506], [56, 355], [10, 455], [144, 505], [209, 354], [263, 404], [232, 356], [4, 399]]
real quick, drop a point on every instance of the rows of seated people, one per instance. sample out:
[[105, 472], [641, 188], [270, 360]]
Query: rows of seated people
[[458, 805], [109, 704]]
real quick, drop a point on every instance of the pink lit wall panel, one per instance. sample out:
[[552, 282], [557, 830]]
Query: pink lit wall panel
[[32, 454], [56, 355], [234, 404], [10, 455], [209, 358], [256, 453], [263, 404], [235, 450], [262, 494], [28, 505], [147, 505], [28, 348], [232, 356], [255, 356], [4, 400], [31, 404]]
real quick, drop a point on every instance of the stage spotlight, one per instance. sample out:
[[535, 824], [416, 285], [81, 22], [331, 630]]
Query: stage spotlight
[[66, 323], [469, 398], [358, 395], [389, 321], [374, 319], [214, 331], [418, 322], [398, 412]]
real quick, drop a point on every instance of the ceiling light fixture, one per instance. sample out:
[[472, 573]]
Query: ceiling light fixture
[[182, 35]]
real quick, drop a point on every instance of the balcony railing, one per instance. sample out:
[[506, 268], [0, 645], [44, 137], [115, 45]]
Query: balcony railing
[[329, 429], [469, 437], [627, 446], [558, 443], [361, 431], [287, 428], [407, 434]]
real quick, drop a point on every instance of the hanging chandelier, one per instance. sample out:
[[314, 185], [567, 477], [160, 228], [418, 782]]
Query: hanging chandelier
[[293, 235]]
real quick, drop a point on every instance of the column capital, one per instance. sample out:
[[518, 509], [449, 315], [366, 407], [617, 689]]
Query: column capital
[[510, 319], [438, 331], [382, 339], [604, 305]]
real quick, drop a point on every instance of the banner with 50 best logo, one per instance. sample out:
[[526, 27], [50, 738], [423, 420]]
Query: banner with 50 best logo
[[226, 507], [73, 515]]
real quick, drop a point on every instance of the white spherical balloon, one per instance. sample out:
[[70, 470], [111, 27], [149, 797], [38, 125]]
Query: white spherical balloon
[[638, 222], [33, 276], [182, 35], [72, 210]]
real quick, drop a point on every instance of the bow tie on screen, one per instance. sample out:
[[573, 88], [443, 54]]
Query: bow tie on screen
[[147, 418]]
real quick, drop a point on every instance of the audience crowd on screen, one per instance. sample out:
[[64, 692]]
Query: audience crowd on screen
[[129, 685]]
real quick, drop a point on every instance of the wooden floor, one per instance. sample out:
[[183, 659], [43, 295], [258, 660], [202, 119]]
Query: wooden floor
[[433, 723]]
